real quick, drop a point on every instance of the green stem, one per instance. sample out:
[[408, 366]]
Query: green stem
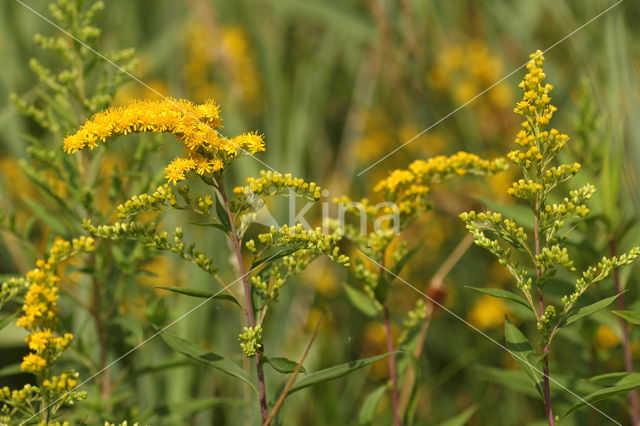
[[393, 373]]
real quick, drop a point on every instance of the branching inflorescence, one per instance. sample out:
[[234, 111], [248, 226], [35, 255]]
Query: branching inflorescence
[[405, 193], [40, 319], [546, 249], [278, 254]]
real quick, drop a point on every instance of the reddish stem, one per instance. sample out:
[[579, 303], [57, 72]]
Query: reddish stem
[[545, 369], [235, 243]]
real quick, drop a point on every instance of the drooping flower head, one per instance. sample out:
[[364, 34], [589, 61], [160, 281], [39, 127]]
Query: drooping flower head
[[408, 187], [195, 125]]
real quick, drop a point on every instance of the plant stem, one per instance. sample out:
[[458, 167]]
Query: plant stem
[[545, 370], [393, 373], [101, 331], [626, 342], [547, 387], [235, 243], [293, 377], [434, 292]]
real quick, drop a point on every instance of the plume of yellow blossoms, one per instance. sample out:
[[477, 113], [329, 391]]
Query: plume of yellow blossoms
[[195, 125], [539, 145], [408, 187], [40, 309]]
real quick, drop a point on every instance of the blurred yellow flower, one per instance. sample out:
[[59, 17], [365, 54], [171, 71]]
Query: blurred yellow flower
[[605, 338], [487, 312], [467, 69]]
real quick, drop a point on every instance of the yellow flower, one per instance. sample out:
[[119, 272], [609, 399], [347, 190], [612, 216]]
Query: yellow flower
[[487, 312], [605, 338], [39, 340], [33, 363], [408, 188], [196, 125]]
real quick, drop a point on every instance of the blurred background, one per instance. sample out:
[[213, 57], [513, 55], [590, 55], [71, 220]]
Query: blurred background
[[335, 85]]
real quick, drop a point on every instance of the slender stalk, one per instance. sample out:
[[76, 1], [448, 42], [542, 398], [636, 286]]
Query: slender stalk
[[545, 369], [103, 338], [393, 373], [434, 292], [626, 341], [293, 377], [235, 243]]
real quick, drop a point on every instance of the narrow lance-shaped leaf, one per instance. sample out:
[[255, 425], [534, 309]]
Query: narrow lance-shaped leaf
[[223, 216], [361, 301], [202, 294], [520, 349], [502, 294], [462, 418], [335, 372], [284, 365], [370, 406], [218, 226], [590, 309], [7, 320], [628, 382], [205, 357], [632, 317]]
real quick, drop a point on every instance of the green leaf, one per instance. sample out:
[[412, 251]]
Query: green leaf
[[131, 325], [223, 217], [219, 226], [48, 218], [284, 365], [502, 294], [462, 418], [361, 301], [10, 370], [625, 384], [521, 214], [590, 309], [205, 357], [607, 379], [188, 407], [370, 406], [335, 372], [632, 317], [516, 380], [202, 294], [397, 268], [520, 349], [7, 320]]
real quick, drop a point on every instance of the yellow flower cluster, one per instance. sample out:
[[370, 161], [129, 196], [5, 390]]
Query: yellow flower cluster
[[40, 308], [273, 183], [466, 69], [196, 125], [536, 101], [62, 383], [536, 107], [525, 189], [408, 187], [298, 237]]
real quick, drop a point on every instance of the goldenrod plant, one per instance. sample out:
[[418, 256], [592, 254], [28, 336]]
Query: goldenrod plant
[[277, 254], [381, 255], [545, 249], [63, 191], [204, 291], [52, 391]]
